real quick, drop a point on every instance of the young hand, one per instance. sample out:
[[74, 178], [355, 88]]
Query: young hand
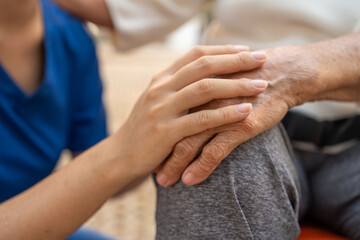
[[161, 116]]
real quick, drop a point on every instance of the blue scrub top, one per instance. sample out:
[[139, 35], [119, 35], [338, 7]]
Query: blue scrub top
[[66, 111]]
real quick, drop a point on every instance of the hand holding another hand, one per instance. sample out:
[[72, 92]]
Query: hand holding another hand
[[291, 73], [161, 117]]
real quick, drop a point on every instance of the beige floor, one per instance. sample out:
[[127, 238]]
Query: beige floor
[[125, 75]]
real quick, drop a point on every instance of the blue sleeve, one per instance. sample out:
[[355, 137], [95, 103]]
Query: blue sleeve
[[88, 121], [89, 234]]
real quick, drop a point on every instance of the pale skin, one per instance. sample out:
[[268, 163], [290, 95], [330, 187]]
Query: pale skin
[[62, 202], [327, 70]]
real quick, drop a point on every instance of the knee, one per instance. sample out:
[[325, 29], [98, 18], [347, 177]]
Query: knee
[[349, 220], [253, 190], [266, 165]]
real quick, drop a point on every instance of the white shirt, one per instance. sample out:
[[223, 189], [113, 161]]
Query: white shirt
[[259, 24]]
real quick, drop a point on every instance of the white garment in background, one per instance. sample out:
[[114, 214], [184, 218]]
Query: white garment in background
[[259, 24]]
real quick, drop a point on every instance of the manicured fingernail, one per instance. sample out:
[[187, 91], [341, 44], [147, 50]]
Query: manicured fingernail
[[244, 107], [241, 48], [188, 178], [258, 55], [259, 83], [162, 179]]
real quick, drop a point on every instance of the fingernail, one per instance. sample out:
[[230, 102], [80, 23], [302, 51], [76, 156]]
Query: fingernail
[[188, 178], [259, 83], [258, 55], [244, 107], [162, 179], [241, 48]]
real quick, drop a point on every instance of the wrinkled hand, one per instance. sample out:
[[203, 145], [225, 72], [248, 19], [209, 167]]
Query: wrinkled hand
[[288, 70], [161, 116]]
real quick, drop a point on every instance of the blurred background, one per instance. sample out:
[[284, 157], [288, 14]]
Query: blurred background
[[125, 76]]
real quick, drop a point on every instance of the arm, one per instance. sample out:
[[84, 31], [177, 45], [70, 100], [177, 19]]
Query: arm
[[94, 11], [136, 22], [59, 204], [296, 74], [132, 185]]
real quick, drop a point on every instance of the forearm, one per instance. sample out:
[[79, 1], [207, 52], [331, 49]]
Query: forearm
[[94, 11], [338, 62], [57, 206], [132, 185]]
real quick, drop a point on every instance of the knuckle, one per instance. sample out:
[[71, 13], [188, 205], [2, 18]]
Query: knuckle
[[161, 129], [198, 51], [204, 64], [244, 87], [184, 149], [232, 138], [205, 86], [173, 167], [204, 119], [156, 77], [154, 91], [204, 168], [212, 156], [242, 83], [151, 94], [156, 110], [248, 127], [153, 80], [240, 59], [252, 127], [227, 113]]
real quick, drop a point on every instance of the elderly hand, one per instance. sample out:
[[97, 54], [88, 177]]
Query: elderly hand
[[291, 73], [161, 115], [158, 121]]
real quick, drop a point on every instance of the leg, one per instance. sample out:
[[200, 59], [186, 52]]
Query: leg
[[253, 194], [336, 192]]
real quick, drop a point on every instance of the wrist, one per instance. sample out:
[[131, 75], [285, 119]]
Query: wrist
[[124, 160], [327, 70], [339, 72], [109, 164], [296, 80]]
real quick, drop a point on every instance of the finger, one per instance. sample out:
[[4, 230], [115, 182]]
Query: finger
[[197, 122], [212, 155], [183, 154], [209, 89], [200, 51], [208, 66]]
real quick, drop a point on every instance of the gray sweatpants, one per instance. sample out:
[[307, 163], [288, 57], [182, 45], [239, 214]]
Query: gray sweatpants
[[259, 192]]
